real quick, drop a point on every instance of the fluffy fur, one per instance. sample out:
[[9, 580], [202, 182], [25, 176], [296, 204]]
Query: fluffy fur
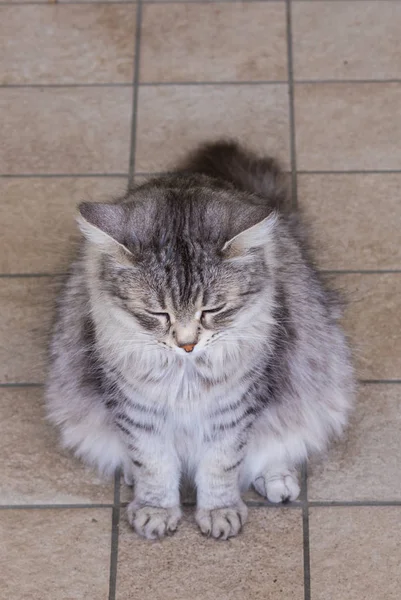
[[209, 260]]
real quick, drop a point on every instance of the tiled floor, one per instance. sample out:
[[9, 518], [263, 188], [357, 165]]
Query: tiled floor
[[92, 94]]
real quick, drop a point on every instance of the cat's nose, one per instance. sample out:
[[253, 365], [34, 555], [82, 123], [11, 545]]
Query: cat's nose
[[188, 347]]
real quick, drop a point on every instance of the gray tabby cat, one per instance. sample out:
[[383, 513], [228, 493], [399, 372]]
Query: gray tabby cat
[[194, 338]]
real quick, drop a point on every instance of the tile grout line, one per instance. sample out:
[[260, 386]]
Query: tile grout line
[[344, 81], [135, 93], [350, 172], [294, 190], [30, 275], [287, 171], [251, 503], [305, 533], [352, 503], [115, 526], [23, 384], [14, 86], [108, 2], [216, 83], [379, 381], [359, 271], [193, 83]]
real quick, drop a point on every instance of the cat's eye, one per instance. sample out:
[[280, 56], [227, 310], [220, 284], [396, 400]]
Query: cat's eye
[[160, 315], [210, 311]]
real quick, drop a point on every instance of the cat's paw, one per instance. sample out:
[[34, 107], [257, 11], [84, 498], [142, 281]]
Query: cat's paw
[[153, 522], [277, 487], [129, 478], [222, 523]]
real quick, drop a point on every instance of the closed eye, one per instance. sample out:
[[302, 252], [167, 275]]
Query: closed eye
[[212, 311], [160, 315], [219, 314]]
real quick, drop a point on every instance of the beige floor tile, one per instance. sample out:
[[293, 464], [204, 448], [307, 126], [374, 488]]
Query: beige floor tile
[[355, 553], [348, 229], [26, 312], [365, 465], [42, 210], [67, 44], [55, 554], [373, 320], [65, 130], [203, 42], [172, 119], [264, 562], [348, 126], [368, 47], [33, 468]]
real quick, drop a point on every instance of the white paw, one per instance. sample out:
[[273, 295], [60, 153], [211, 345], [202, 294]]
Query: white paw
[[128, 478], [222, 523], [153, 522], [277, 487]]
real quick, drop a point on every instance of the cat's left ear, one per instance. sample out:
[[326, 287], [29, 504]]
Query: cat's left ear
[[103, 225], [256, 236]]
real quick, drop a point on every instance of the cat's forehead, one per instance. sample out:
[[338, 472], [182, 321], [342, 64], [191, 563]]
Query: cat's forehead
[[165, 219], [184, 274], [162, 215]]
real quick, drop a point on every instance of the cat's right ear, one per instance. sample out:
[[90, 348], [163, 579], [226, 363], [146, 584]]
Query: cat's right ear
[[103, 225]]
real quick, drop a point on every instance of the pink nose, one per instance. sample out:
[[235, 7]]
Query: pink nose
[[188, 347]]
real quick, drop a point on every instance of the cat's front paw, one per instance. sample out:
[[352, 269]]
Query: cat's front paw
[[153, 522], [222, 523]]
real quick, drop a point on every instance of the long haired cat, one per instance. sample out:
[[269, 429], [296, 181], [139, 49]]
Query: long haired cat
[[194, 338]]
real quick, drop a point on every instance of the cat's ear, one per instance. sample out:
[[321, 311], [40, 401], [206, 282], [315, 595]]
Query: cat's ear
[[103, 225], [254, 237]]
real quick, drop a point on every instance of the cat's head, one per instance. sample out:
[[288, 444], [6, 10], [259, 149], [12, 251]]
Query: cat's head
[[186, 265]]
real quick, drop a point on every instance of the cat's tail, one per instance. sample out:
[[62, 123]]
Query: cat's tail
[[227, 160]]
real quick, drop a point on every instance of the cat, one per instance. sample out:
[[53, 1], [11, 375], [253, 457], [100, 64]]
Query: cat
[[194, 338]]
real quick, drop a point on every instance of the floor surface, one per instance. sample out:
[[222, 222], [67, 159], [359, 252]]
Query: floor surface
[[92, 94]]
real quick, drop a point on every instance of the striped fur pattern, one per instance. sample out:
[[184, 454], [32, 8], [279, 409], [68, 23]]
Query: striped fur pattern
[[194, 339]]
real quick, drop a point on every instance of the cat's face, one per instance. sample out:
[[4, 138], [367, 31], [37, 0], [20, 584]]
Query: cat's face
[[182, 303], [185, 274]]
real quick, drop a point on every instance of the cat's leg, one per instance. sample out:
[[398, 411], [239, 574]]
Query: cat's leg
[[220, 512], [155, 510]]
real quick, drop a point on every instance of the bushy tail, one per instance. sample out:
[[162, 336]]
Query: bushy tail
[[226, 159]]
